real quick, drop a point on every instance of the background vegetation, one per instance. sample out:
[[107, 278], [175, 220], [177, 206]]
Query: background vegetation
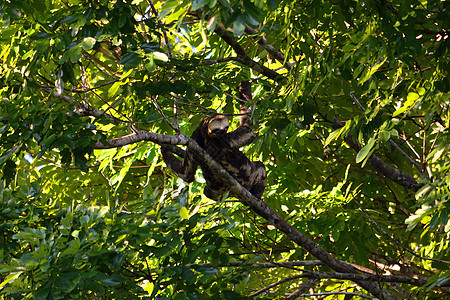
[[351, 107]]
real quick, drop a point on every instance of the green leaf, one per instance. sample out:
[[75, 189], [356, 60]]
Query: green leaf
[[9, 171], [184, 213], [253, 15], [88, 43], [130, 61], [111, 281], [188, 276], [39, 5], [8, 154], [239, 25], [122, 20], [176, 16], [74, 246], [10, 278], [334, 135], [273, 4], [150, 65], [348, 48], [130, 228], [337, 133], [372, 70], [196, 4], [365, 151], [410, 102], [151, 47], [114, 89], [385, 135]]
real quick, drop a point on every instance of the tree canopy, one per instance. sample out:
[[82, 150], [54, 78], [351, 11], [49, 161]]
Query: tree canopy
[[350, 103]]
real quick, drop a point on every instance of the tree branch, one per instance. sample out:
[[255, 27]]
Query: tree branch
[[380, 166], [166, 39], [95, 61], [269, 48], [422, 175], [366, 277], [303, 288], [216, 61], [266, 288], [242, 56], [339, 293], [142, 135], [81, 108], [256, 205], [315, 276], [229, 39], [262, 209], [397, 147], [287, 264], [247, 61]]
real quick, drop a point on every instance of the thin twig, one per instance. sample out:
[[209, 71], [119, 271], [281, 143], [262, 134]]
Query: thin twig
[[218, 60], [266, 288], [303, 288], [243, 58], [95, 87], [81, 108], [422, 175], [102, 66], [158, 108], [166, 39], [175, 111], [338, 293]]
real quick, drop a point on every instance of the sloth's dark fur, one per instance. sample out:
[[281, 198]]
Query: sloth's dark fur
[[212, 136]]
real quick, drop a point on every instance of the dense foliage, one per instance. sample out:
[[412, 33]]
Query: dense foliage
[[351, 106]]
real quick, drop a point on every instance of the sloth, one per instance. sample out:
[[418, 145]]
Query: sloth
[[212, 135]]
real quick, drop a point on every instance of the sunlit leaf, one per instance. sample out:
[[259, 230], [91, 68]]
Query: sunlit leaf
[[365, 151], [184, 213]]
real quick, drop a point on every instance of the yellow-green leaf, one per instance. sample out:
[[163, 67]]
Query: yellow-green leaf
[[372, 70], [334, 135], [11, 277], [184, 213], [410, 101], [112, 91], [411, 98]]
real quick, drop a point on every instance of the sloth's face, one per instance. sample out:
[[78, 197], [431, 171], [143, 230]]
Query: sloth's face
[[218, 126]]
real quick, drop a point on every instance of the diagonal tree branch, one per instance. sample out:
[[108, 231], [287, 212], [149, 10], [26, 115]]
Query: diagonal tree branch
[[422, 175], [243, 58], [229, 39], [274, 284], [303, 288], [247, 61], [217, 61], [255, 204], [380, 166], [262, 209], [81, 108], [269, 48]]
